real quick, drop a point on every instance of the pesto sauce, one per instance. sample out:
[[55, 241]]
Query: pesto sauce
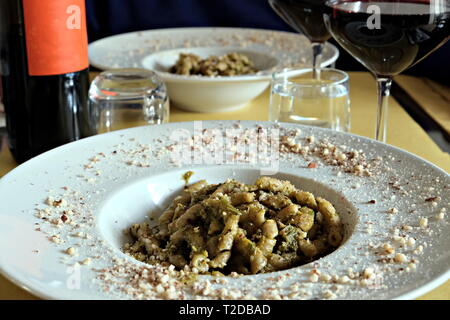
[[187, 176]]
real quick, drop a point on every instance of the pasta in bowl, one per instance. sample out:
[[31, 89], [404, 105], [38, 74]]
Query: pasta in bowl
[[234, 227]]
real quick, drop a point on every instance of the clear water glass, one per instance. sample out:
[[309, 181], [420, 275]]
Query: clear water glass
[[297, 97], [124, 98]]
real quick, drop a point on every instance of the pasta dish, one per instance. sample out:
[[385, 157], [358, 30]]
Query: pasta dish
[[234, 227]]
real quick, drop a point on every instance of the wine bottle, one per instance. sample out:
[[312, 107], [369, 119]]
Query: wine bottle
[[43, 74]]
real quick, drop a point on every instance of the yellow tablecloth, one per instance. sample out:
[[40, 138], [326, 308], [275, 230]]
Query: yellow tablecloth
[[403, 132]]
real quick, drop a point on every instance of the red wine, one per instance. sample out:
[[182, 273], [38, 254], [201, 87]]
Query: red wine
[[407, 32], [305, 16], [43, 74]]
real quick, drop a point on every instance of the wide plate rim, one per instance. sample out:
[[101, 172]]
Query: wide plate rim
[[412, 294], [179, 78]]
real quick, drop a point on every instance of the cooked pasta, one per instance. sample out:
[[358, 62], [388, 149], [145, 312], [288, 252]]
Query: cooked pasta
[[234, 227]]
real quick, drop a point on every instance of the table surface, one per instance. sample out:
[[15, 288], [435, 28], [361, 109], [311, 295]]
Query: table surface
[[403, 132], [434, 98]]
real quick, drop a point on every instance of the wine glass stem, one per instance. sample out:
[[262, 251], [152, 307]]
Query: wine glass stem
[[384, 87], [317, 48]]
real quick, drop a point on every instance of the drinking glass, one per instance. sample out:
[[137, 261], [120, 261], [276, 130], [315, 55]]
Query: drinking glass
[[387, 37], [306, 16], [123, 98], [297, 97]]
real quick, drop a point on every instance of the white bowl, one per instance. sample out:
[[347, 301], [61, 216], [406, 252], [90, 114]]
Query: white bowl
[[212, 94]]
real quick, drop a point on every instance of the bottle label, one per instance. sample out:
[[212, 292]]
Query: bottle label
[[56, 36]]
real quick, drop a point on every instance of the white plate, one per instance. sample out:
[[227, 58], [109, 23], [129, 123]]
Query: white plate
[[158, 50], [130, 50], [120, 177]]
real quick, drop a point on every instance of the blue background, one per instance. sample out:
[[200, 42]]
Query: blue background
[[109, 17]]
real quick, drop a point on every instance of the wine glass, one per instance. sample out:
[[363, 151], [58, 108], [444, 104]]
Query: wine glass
[[387, 37], [306, 16]]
